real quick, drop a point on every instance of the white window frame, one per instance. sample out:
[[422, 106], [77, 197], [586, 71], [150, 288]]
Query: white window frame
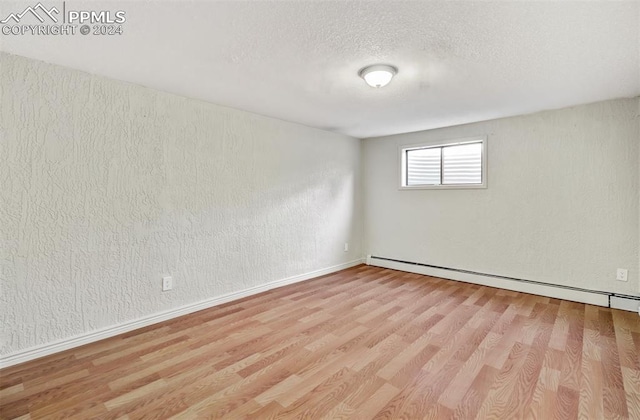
[[402, 163]]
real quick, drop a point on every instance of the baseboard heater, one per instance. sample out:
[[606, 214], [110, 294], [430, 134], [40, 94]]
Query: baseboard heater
[[575, 294]]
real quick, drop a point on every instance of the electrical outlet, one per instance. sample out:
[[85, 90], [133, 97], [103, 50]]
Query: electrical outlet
[[621, 274], [346, 246], [167, 283]]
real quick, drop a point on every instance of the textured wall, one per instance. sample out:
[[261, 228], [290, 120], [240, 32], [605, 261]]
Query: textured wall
[[107, 186], [562, 205]]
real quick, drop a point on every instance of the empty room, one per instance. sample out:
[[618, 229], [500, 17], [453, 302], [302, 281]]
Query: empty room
[[319, 209]]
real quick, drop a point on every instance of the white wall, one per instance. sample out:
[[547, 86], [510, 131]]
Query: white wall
[[107, 186], [562, 204]]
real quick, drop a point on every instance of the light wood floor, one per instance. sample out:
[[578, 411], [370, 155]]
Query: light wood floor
[[362, 343]]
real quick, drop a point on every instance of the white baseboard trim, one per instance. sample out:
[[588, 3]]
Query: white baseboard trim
[[93, 336], [626, 303], [593, 298]]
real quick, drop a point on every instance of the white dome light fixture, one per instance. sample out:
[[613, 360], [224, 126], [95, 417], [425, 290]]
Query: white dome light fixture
[[378, 75]]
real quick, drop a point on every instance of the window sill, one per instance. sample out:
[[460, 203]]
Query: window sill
[[444, 187]]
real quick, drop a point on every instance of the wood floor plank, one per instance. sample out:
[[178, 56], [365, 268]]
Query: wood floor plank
[[452, 396], [267, 412], [362, 343], [631, 379], [590, 405], [497, 401], [472, 400], [376, 402]]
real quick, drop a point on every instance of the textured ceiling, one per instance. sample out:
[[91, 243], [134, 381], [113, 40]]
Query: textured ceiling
[[458, 62]]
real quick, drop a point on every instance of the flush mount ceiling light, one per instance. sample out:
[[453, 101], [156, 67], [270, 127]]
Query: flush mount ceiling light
[[378, 75]]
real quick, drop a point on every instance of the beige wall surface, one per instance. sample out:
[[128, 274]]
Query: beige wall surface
[[108, 186], [562, 203]]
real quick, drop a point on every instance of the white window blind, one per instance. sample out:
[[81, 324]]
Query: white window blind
[[423, 166], [462, 164], [455, 164]]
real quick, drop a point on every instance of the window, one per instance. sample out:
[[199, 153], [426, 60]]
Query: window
[[456, 164]]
